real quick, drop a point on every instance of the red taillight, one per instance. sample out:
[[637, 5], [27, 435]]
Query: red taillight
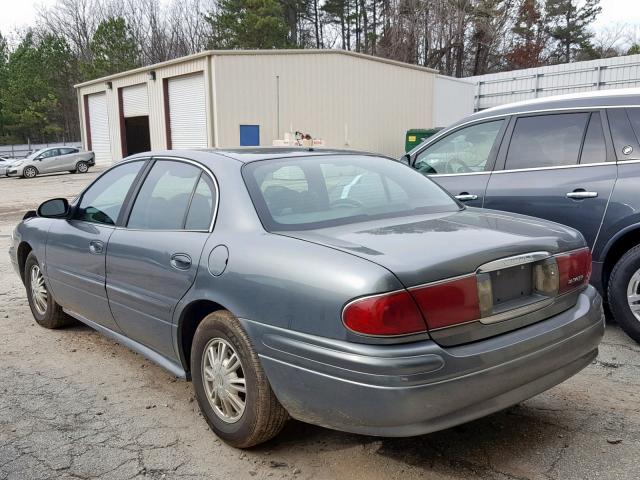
[[449, 303], [574, 269], [384, 315]]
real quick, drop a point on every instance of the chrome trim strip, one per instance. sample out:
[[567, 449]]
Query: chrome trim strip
[[513, 261], [516, 312], [557, 167], [444, 280], [488, 172]]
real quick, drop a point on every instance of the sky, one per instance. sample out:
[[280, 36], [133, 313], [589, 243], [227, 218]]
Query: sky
[[19, 13]]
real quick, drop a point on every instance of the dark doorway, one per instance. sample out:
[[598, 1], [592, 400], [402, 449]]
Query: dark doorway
[[136, 131]]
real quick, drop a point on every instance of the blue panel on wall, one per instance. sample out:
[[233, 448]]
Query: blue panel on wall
[[249, 135]]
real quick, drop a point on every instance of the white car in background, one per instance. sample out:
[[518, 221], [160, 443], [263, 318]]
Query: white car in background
[[51, 160]]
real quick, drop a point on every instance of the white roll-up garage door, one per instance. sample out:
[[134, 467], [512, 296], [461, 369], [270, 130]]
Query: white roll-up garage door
[[99, 128], [135, 101], [187, 112]]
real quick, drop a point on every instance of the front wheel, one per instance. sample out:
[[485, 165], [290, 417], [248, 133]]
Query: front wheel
[[624, 293], [231, 387], [29, 172], [82, 167], [45, 310]]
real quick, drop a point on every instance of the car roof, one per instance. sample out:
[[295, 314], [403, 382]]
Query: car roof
[[604, 98], [251, 154]]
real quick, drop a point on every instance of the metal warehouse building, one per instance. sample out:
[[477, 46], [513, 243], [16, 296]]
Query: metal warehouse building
[[249, 98], [505, 87]]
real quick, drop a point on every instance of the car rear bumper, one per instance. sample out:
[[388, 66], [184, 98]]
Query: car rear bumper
[[417, 388]]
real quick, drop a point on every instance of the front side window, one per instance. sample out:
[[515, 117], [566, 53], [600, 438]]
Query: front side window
[[103, 200], [54, 152], [546, 140], [315, 192], [466, 150], [165, 196]]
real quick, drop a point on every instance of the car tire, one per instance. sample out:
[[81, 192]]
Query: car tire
[[29, 172], [261, 417], [82, 167], [45, 310], [623, 282]]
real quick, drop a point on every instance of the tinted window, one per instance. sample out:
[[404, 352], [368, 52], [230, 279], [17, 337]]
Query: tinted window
[[164, 198], [102, 202], [624, 139], [546, 140], [594, 150], [466, 150], [202, 205], [305, 193]]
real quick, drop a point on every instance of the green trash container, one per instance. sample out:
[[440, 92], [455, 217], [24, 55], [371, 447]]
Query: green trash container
[[415, 136]]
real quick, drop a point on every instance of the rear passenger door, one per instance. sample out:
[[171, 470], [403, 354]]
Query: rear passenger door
[[557, 166], [153, 257], [462, 160], [67, 159]]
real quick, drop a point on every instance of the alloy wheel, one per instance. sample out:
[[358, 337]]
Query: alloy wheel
[[224, 380], [82, 167], [29, 172], [633, 294], [39, 293]]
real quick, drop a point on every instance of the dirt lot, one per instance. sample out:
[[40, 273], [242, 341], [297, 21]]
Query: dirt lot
[[74, 404]]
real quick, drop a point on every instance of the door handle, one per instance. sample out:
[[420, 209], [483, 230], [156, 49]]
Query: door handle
[[581, 193], [181, 261], [465, 197], [96, 247]]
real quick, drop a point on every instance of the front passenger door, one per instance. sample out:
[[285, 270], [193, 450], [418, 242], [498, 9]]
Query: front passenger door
[[48, 161], [152, 262], [461, 162]]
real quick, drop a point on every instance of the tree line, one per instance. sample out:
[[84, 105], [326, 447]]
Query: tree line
[[78, 40]]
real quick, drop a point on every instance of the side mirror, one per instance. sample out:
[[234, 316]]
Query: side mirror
[[54, 208], [406, 159]]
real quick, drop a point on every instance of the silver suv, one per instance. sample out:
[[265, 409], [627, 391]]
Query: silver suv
[[51, 160]]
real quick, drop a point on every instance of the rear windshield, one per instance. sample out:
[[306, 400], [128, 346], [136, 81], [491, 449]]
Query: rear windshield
[[323, 191]]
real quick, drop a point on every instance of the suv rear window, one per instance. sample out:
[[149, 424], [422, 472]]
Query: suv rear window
[[314, 192], [546, 140]]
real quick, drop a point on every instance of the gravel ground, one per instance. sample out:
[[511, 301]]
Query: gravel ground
[[74, 404]]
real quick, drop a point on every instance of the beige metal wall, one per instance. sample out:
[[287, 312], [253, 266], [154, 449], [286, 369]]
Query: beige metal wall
[[157, 128], [349, 101]]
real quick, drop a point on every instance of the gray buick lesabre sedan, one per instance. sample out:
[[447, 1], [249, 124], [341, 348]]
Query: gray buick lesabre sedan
[[341, 289]]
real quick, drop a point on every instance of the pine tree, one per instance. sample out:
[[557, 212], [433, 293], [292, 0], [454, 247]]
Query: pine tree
[[530, 37], [570, 20], [258, 24], [112, 48]]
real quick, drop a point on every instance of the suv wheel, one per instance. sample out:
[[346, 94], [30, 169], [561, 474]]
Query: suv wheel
[[45, 310], [29, 172], [82, 167], [232, 389], [624, 293]]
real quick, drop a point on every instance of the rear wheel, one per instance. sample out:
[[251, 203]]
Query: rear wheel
[[29, 172], [624, 293], [45, 310], [82, 167], [231, 387]]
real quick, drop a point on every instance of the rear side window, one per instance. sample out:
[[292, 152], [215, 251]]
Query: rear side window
[[164, 199], [625, 141], [67, 151], [546, 140], [202, 205], [594, 149]]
